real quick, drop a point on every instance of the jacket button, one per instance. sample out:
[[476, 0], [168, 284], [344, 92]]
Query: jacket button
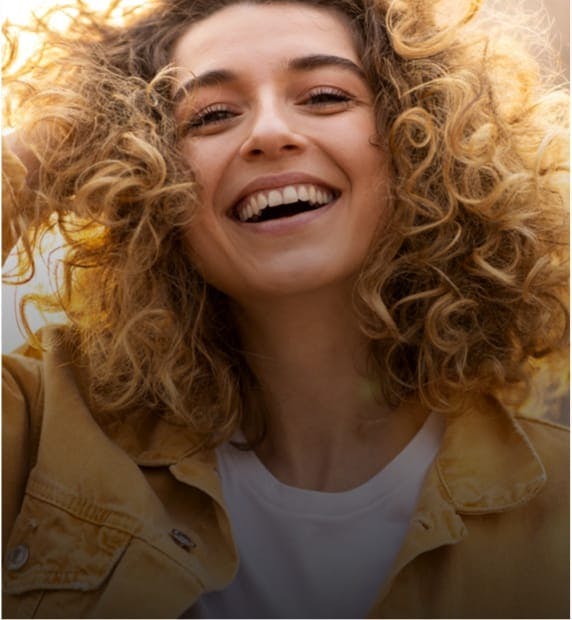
[[17, 557], [182, 539]]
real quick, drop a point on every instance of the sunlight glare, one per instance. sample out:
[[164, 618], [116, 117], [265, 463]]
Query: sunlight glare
[[20, 13]]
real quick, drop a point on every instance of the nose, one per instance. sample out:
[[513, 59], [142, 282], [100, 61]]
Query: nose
[[272, 133]]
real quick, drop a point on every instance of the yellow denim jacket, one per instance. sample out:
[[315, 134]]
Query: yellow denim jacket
[[118, 518]]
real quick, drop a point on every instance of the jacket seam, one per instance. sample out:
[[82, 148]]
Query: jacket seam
[[549, 423], [75, 578], [134, 533], [69, 575], [76, 575], [497, 510], [37, 417], [501, 508], [29, 605], [123, 522], [171, 558]]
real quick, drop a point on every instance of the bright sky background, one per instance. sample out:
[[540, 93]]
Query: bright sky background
[[18, 11]]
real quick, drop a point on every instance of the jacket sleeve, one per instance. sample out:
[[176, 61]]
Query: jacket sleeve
[[21, 421]]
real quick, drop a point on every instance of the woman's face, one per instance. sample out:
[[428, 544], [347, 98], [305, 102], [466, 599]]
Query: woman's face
[[280, 132]]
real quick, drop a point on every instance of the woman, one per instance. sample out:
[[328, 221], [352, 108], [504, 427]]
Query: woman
[[313, 248]]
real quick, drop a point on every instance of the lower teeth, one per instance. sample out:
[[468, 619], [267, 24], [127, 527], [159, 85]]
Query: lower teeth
[[274, 213]]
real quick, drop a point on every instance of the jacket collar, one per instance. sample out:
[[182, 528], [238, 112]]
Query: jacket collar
[[486, 462], [151, 440]]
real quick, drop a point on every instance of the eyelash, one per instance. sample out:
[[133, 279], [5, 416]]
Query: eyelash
[[211, 115], [327, 96]]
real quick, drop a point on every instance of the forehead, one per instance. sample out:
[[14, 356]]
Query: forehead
[[246, 32]]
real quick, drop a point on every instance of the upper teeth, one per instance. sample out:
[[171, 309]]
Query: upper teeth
[[258, 201]]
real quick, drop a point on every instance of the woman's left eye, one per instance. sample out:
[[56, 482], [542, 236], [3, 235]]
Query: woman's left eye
[[327, 97]]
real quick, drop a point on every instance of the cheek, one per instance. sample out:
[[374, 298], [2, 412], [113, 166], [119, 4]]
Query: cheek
[[207, 242], [213, 252], [203, 242], [205, 164], [374, 193], [371, 172], [363, 158], [203, 230]]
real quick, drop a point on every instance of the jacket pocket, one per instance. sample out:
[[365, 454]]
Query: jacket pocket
[[52, 549]]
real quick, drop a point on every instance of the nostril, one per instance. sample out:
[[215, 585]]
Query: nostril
[[260, 151], [270, 144]]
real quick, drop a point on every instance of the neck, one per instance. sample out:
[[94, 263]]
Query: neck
[[326, 428]]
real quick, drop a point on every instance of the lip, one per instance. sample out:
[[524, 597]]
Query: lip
[[276, 181]]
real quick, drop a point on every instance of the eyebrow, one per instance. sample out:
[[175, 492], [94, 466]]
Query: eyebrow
[[216, 77], [317, 61]]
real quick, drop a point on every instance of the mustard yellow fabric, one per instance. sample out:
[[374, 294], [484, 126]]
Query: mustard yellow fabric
[[119, 518], [98, 507]]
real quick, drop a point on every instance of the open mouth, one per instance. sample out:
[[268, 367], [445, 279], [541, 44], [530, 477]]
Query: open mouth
[[284, 202]]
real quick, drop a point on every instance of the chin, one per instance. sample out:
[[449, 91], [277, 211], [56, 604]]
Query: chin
[[291, 283]]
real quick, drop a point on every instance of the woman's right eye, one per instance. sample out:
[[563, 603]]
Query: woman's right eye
[[209, 117]]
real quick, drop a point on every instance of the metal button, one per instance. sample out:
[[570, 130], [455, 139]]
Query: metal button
[[17, 557], [182, 539]]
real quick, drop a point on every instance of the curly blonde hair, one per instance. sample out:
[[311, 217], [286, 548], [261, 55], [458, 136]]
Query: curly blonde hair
[[464, 286]]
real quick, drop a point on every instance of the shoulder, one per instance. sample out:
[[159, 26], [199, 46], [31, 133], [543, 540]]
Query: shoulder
[[544, 430], [551, 442], [27, 369], [550, 439], [28, 375]]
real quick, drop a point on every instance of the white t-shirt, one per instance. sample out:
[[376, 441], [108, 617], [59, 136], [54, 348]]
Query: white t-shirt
[[310, 554]]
